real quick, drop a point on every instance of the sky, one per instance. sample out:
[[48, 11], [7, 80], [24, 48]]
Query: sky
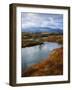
[[29, 20]]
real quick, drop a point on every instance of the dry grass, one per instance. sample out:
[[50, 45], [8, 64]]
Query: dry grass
[[54, 38]]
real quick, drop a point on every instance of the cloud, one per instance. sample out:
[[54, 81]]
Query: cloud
[[41, 20]]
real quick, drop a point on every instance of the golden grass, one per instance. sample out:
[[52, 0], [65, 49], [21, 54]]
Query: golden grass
[[54, 38]]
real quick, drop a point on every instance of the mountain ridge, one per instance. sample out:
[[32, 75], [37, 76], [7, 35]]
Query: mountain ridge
[[42, 29]]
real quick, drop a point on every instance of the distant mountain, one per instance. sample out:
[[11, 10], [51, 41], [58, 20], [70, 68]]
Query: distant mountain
[[42, 29]]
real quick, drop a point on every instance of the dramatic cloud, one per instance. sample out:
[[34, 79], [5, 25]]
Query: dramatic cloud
[[41, 20]]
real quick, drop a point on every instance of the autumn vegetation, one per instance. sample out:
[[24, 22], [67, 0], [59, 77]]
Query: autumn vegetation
[[32, 39], [54, 38]]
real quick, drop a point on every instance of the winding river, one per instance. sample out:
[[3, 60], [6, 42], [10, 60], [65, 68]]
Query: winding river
[[35, 54]]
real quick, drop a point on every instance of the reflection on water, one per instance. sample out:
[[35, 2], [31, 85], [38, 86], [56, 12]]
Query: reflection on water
[[35, 54]]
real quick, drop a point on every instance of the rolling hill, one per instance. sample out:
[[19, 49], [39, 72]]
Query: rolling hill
[[42, 29]]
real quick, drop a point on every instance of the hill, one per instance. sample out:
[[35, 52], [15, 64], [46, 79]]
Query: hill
[[42, 29]]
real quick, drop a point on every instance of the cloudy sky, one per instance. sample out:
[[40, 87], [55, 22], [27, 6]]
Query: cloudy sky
[[30, 20]]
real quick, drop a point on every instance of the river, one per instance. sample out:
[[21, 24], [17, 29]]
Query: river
[[35, 54]]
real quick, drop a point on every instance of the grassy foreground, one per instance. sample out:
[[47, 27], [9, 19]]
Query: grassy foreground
[[53, 65]]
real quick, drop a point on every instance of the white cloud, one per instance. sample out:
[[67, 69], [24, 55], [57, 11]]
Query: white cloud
[[41, 20]]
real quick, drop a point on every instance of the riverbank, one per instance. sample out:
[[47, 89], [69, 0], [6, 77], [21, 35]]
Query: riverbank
[[53, 65], [54, 38], [34, 39]]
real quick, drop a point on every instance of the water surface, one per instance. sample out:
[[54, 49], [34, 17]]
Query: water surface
[[35, 54]]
